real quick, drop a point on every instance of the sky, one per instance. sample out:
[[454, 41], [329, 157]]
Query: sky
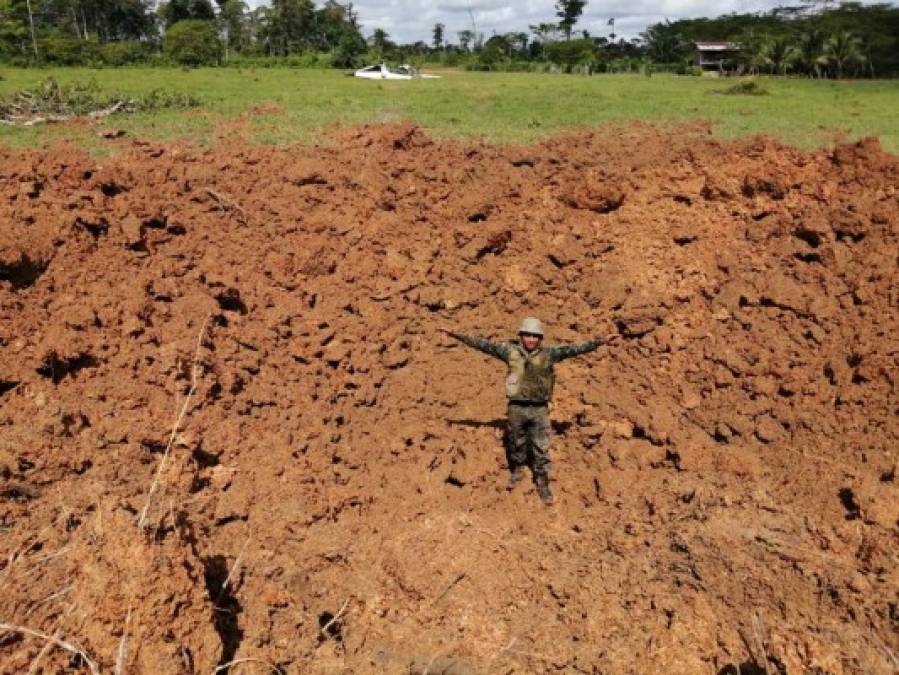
[[412, 20]]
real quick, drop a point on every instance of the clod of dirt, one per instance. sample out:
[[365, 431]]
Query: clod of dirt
[[595, 195], [110, 134], [22, 272], [56, 367]]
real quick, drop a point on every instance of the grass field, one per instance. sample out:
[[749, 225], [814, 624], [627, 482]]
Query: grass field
[[288, 106]]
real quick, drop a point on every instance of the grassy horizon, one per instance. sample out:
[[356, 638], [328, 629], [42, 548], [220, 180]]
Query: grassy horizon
[[284, 106]]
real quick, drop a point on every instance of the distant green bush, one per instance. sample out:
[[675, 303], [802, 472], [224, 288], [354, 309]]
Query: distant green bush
[[571, 53], [512, 66], [303, 60], [67, 51], [194, 43], [125, 53]]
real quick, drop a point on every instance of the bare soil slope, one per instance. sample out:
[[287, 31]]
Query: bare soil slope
[[334, 498]]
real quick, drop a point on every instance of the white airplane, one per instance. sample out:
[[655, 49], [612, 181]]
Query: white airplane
[[383, 72]]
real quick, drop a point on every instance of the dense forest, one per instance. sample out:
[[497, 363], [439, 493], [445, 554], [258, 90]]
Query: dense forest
[[817, 40]]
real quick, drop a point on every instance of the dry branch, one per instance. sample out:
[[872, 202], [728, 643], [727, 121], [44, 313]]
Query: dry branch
[[194, 379], [105, 112], [48, 645], [63, 644], [227, 204]]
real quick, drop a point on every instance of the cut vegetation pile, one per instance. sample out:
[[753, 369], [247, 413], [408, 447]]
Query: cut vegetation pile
[[331, 497], [744, 88], [53, 102]]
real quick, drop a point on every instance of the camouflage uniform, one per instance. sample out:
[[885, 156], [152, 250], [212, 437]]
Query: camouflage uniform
[[529, 389]]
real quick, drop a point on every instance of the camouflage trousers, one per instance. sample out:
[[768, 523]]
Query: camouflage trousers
[[529, 434]]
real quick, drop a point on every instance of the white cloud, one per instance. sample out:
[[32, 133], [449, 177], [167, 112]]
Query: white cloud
[[411, 20]]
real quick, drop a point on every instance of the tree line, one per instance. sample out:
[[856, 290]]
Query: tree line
[[818, 39], [815, 40]]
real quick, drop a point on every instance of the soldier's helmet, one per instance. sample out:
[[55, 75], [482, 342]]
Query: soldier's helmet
[[531, 326]]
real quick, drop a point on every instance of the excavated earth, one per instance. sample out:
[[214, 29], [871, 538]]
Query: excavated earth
[[333, 499]]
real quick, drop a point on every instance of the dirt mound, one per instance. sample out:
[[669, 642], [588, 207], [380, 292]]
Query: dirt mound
[[333, 499]]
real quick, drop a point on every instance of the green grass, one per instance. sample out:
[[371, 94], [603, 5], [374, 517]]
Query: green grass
[[513, 108]]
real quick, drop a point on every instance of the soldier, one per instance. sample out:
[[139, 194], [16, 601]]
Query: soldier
[[529, 388]]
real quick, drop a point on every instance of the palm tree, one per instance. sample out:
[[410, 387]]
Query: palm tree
[[664, 43], [782, 54], [754, 52], [811, 44], [843, 49]]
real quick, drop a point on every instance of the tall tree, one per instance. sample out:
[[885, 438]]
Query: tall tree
[[14, 27], [811, 46], [466, 37], [841, 50], [519, 40], [290, 26], [664, 43], [569, 11], [546, 34], [232, 20], [754, 51], [31, 26], [783, 53], [174, 11], [437, 36], [380, 40], [336, 30], [113, 19]]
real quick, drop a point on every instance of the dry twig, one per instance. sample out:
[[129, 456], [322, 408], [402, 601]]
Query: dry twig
[[32, 669], [459, 577], [63, 644], [53, 596], [29, 543], [194, 378], [233, 567], [106, 112], [335, 618], [227, 204], [123, 646], [249, 659]]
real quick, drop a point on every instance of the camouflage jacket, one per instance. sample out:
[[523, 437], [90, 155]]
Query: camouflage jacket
[[530, 378]]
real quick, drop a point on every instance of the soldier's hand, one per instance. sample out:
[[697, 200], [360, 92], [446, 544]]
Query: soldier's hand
[[445, 330], [611, 338]]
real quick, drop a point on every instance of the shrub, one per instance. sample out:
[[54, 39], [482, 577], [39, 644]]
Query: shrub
[[125, 53], [570, 53], [194, 43], [64, 51]]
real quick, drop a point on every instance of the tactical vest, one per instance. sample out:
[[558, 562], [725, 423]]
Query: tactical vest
[[530, 376]]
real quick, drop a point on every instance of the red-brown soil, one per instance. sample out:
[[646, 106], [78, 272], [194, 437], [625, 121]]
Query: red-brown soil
[[725, 474]]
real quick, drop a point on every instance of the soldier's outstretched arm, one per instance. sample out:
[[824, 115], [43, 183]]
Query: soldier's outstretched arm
[[563, 352], [495, 349]]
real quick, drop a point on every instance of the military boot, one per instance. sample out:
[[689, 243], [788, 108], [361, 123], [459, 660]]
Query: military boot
[[546, 495], [515, 478]]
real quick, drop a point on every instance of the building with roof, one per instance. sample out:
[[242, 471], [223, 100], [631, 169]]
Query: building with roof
[[717, 57]]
